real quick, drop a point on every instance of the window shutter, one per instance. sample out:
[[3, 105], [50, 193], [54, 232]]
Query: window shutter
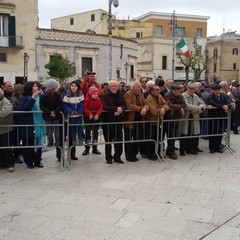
[[12, 30]]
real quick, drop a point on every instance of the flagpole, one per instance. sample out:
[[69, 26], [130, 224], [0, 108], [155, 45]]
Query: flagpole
[[173, 26]]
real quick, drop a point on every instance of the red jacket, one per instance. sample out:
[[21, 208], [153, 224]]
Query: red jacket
[[92, 106], [86, 84]]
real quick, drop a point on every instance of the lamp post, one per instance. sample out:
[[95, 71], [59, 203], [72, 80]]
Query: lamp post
[[126, 66], [173, 27], [25, 67], [206, 64], [115, 4]]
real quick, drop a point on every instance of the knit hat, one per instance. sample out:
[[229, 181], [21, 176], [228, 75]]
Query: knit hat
[[92, 90], [51, 84], [77, 84]]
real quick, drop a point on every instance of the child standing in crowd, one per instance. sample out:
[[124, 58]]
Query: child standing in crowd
[[92, 110], [50, 104], [73, 106]]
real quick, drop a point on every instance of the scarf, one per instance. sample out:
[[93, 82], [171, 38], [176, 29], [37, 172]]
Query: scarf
[[38, 119]]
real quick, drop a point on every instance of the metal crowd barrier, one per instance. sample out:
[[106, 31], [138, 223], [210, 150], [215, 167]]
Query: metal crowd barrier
[[15, 142], [143, 137]]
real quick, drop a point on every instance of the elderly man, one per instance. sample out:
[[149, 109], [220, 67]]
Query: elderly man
[[136, 104], [191, 127], [7, 88], [149, 84], [177, 109], [167, 87], [6, 118], [114, 105], [220, 107], [157, 108]]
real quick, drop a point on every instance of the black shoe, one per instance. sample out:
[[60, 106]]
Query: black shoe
[[85, 152], [219, 151], [212, 151], [153, 157], [109, 161], [194, 152], [95, 151], [173, 156], [182, 153], [236, 132], [39, 165], [18, 160], [74, 158], [198, 149], [131, 160], [30, 166], [118, 161]]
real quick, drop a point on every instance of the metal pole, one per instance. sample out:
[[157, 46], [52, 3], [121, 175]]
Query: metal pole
[[110, 38]]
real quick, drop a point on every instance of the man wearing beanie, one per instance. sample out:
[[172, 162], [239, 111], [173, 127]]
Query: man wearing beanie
[[92, 109]]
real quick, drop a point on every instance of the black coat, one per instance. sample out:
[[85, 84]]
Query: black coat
[[110, 103]]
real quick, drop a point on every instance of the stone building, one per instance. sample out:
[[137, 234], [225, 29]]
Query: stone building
[[87, 51], [225, 50], [18, 31]]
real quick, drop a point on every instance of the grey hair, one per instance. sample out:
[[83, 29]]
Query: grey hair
[[113, 81], [223, 84], [151, 82], [135, 83]]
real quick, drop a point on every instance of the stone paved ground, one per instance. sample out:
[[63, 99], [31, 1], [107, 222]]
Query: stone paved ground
[[185, 199]]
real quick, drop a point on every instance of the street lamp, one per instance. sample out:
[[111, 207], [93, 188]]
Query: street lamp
[[25, 69], [173, 27], [206, 64], [115, 4], [126, 66]]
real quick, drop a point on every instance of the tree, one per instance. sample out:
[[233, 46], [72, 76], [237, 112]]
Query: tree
[[197, 62], [60, 67]]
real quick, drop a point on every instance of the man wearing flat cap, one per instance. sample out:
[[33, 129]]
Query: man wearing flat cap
[[177, 108], [220, 105], [191, 127]]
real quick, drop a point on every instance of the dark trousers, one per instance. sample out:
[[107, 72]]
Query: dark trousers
[[113, 133], [29, 154], [151, 133], [171, 130], [216, 126], [188, 144], [132, 134], [6, 155], [91, 127]]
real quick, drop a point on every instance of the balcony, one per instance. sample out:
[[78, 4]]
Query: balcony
[[11, 42]]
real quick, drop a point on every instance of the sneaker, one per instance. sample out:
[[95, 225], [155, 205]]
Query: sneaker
[[11, 169]]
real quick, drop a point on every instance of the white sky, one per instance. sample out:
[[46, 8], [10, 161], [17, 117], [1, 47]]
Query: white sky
[[224, 14]]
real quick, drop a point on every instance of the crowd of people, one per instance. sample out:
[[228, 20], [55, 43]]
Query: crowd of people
[[128, 115]]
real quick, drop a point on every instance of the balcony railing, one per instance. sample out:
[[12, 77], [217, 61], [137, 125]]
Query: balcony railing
[[11, 41]]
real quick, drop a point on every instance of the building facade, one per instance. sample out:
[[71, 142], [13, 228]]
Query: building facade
[[225, 51], [18, 31], [88, 52]]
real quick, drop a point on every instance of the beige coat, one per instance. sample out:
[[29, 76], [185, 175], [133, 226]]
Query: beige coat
[[192, 109], [155, 104]]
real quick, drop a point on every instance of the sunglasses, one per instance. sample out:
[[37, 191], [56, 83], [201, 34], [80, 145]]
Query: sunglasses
[[144, 82]]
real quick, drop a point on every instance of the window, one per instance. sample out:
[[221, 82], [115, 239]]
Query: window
[[234, 66], [235, 51], [177, 68], [3, 57], [138, 34], [159, 30], [181, 32], [71, 21], [215, 53], [1, 81], [92, 17], [118, 73], [164, 62], [215, 68], [199, 32]]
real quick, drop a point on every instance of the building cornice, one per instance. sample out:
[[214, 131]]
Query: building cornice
[[167, 16]]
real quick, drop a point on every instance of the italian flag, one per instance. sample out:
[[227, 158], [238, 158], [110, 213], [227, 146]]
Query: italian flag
[[183, 47]]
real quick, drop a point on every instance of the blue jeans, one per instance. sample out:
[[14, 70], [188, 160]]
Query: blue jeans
[[76, 130]]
